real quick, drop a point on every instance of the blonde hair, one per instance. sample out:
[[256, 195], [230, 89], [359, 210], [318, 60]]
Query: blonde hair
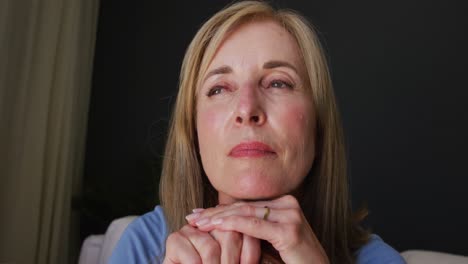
[[325, 201]]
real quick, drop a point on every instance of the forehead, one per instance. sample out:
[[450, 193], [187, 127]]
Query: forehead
[[255, 43]]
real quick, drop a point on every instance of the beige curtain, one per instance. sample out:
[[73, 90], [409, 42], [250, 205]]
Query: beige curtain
[[46, 54]]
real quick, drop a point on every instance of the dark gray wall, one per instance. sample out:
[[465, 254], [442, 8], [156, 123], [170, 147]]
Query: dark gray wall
[[399, 74]]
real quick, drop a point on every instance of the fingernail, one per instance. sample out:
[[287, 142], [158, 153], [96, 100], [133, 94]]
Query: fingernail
[[203, 221], [217, 221], [192, 216], [198, 210]]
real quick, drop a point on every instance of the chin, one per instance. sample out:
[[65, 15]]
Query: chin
[[255, 188], [252, 196]]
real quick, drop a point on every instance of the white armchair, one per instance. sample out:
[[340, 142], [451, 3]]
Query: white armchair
[[431, 257], [96, 249]]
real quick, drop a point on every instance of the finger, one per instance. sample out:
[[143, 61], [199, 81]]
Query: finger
[[201, 217], [283, 202], [251, 251], [288, 215], [251, 226], [244, 209], [180, 250], [231, 245], [267, 214], [205, 245], [199, 213]]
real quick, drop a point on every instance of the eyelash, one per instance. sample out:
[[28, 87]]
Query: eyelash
[[286, 84], [213, 90], [218, 88]]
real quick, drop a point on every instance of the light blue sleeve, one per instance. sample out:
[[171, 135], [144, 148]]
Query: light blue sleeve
[[143, 241], [376, 251]]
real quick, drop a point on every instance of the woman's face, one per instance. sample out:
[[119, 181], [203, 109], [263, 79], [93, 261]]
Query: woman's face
[[255, 118]]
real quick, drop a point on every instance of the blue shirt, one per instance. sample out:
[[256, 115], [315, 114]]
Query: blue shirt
[[144, 241]]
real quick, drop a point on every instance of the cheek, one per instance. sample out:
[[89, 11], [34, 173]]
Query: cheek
[[209, 126], [205, 120], [297, 121], [298, 129]]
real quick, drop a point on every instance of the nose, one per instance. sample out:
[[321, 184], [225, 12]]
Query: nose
[[250, 110]]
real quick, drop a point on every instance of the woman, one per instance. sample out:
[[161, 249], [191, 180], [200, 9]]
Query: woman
[[256, 141]]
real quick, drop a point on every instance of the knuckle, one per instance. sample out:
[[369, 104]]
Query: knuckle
[[220, 207], [291, 200], [254, 222], [234, 237], [186, 228], [248, 209], [241, 203], [227, 237], [296, 216], [174, 238], [211, 250]]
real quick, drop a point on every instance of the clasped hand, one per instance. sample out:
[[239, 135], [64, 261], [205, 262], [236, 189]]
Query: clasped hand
[[232, 234]]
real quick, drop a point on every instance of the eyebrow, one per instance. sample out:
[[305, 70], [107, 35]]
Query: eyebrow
[[276, 64], [267, 65], [220, 70]]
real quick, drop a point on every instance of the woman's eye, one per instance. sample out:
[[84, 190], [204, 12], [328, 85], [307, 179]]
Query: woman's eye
[[215, 90], [280, 84]]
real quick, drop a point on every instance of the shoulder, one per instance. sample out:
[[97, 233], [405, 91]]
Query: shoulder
[[377, 251], [143, 241]]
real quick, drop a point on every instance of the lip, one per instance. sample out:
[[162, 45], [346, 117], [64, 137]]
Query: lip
[[251, 149]]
